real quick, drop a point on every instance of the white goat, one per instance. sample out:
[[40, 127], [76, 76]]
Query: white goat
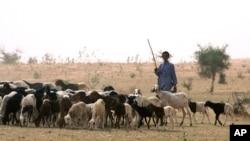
[[169, 112], [128, 114], [28, 107], [177, 100], [143, 101], [198, 107], [98, 114]]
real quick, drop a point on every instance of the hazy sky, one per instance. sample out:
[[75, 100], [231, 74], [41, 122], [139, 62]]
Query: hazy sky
[[116, 29]]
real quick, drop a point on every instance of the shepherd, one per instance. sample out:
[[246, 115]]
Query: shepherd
[[167, 79]]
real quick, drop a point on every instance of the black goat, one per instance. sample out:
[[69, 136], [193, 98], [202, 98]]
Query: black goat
[[220, 108]]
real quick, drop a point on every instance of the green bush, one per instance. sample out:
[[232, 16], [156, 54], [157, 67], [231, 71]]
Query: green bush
[[132, 75], [222, 78], [37, 75]]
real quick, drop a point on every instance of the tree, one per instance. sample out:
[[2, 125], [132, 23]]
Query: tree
[[10, 57], [32, 60], [212, 60]]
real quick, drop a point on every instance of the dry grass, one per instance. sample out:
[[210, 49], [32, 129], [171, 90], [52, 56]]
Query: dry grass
[[120, 76]]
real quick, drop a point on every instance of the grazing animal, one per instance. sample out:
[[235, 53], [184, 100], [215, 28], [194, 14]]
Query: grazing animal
[[157, 111], [49, 112], [108, 88], [143, 112], [77, 113], [45, 114], [79, 96], [4, 102], [12, 106], [169, 112], [128, 114], [65, 105], [220, 108], [64, 86], [28, 105], [198, 107], [89, 110], [144, 101], [119, 110], [98, 115], [49, 94], [39, 94], [178, 100], [35, 86], [92, 97]]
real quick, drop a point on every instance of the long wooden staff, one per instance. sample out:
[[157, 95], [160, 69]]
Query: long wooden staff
[[152, 53]]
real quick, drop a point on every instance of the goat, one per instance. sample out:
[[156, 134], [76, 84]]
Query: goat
[[98, 114], [77, 112], [64, 86], [178, 100], [220, 108], [170, 112], [44, 114], [198, 107], [143, 112], [28, 105], [65, 105]]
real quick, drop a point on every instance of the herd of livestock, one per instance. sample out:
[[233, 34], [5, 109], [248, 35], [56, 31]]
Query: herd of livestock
[[73, 105]]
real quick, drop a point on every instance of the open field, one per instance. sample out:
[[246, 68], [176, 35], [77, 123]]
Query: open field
[[124, 78]]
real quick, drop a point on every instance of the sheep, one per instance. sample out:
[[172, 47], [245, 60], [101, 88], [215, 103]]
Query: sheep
[[198, 107], [77, 112], [28, 104], [170, 112], [178, 100], [98, 114], [220, 108]]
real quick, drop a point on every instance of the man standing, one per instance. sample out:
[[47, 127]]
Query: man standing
[[167, 80]]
